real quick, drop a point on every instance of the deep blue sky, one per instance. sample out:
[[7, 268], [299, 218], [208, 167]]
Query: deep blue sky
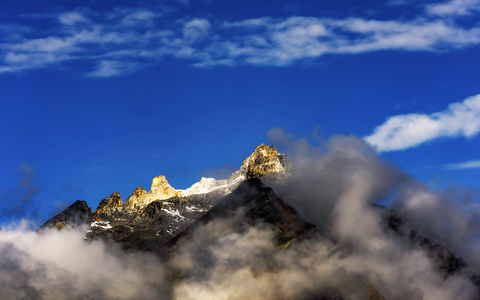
[[100, 96]]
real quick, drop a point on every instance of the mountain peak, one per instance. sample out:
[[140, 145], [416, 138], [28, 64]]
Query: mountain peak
[[133, 199], [75, 215], [161, 188], [264, 160], [110, 206]]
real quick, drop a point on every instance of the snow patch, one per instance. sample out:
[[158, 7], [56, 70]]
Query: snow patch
[[194, 209], [173, 212], [101, 224]]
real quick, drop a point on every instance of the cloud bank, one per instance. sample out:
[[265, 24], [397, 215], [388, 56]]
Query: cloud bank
[[125, 40], [62, 265], [332, 185], [460, 119]]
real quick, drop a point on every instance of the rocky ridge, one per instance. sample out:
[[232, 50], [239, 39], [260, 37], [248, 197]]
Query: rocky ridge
[[265, 160], [75, 215], [149, 219]]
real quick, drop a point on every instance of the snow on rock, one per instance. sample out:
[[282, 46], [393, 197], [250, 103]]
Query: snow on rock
[[194, 209], [101, 224], [264, 160], [173, 212]]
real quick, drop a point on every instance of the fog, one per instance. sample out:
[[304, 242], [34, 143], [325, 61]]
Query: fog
[[63, 265], [354, 256]]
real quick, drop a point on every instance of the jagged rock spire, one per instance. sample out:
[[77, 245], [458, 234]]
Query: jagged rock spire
[[162, 189], [264, 160], [109, 206], [135, 198]]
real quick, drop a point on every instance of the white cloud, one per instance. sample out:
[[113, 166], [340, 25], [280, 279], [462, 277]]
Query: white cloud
[[454, 7], [472, 164], [460, 119], [149, 36], [267, 41], [110, 68], [52, 264], [71, 18], [410, 36], [133, 17], [196, 29]]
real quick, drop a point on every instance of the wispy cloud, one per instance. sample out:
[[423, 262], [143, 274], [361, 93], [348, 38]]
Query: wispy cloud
[[19, 202], [472, 164], [196, 29], [111, 68], [142, 37], [460, 119], [72, 18], [282, 42], [454, 7]]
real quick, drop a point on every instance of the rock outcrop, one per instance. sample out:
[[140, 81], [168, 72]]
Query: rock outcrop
[[264, 160], [109, 207], [75, 215], [149, 219], [160, 190], [133, 202]]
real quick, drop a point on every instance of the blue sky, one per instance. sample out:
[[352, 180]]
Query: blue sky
[[101, 96]]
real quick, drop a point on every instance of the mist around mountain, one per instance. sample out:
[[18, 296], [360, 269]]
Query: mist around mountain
[[336, 222]]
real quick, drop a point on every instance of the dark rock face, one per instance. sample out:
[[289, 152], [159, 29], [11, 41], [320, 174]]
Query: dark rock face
[[149, 228], [163, 225], [75, 215], [260, 205]]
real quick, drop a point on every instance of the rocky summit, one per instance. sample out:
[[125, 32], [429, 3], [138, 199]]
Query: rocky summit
[[74, 216], [147, 220], [264, 160]]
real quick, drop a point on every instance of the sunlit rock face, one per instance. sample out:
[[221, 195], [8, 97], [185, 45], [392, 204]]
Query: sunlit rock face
[[133, 202], [110, 206], [160, 190], [264, 160], [150, 218]]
